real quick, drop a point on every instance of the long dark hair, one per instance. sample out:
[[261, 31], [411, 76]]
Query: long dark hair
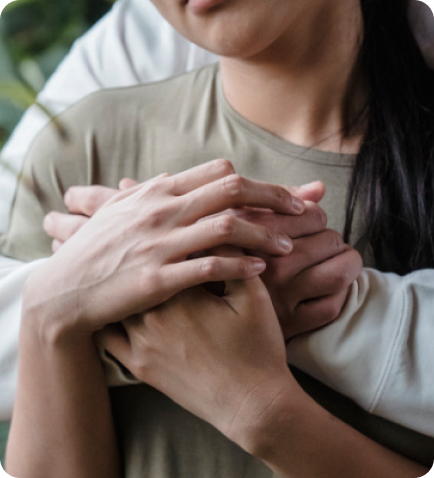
[[393, 177]]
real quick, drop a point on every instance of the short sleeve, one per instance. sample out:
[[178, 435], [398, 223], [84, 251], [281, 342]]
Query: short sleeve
[[56, 160]]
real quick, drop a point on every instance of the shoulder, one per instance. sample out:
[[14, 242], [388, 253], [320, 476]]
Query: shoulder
[[154, 97], [107, 126], [119, 109]]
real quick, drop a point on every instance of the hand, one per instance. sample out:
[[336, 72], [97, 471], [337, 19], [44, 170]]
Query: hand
[[221, 358], [84, 201], [309, 287], [131, 255]]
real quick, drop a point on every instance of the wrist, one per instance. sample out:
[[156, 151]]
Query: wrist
[[49, 320], [264, 414]]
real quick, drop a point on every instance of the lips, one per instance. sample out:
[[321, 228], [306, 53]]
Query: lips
[[202, 6]]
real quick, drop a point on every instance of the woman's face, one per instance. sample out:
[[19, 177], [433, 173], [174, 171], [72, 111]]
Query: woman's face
[[236, 28]]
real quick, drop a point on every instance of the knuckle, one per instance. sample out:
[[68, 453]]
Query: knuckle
[[149, 282], [340, 277], [243, 268], [156, 216], [270, 236], [92, 201], [223, 166], [224, 226], [208, 268], [336, 240], [155, 186], [281, 193], [233, 185], [167, 183], [237, 213]]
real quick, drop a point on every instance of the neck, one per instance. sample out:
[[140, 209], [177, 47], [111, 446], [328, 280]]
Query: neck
[[307, 87]]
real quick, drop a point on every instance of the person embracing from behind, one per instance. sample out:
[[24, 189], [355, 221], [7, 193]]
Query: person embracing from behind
[[318, 106]]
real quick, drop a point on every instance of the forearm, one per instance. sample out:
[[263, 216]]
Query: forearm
[[62, 425], [299, 439], [13, 275]]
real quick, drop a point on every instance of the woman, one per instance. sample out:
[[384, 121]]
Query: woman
[[295, 105]]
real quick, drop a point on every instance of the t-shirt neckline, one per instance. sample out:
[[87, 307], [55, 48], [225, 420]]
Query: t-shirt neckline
[[275, 142]]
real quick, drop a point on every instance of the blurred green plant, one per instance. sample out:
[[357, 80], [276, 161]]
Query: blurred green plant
[[35, 35]]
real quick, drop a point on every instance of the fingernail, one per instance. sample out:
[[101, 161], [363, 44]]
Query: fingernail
[[258, 265], [309, 186], [285, 243], [297, 204], [48, 222]]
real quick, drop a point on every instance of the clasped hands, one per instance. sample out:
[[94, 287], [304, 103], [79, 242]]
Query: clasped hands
[[308, 271], [129, 251]]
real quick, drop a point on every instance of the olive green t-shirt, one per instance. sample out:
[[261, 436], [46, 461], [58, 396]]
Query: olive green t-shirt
[[140, 132]]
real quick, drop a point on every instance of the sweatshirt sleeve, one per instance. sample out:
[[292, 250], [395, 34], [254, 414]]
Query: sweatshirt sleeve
[[379, 352]]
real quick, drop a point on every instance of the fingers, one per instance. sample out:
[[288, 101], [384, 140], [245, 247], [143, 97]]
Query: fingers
[[87, 200], [63, 226], [330, 277], [313, 220], [313, 314], [127, 183], [235, 191], [309, 192], [311, 250], [186, 181], [307, 252], [184, 275], [181, 183], [320, 293], [230, 230]]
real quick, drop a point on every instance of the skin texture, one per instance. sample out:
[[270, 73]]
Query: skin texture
[[152, 247], [194, 349], [306, 70], [114, 266], [304, 63], [309, 286]]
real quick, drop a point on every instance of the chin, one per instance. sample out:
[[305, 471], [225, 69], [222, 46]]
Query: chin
[[232, 28], [235, 47], [227, 38]]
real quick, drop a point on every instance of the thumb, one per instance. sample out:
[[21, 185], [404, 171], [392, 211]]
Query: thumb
[[309, 192]]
